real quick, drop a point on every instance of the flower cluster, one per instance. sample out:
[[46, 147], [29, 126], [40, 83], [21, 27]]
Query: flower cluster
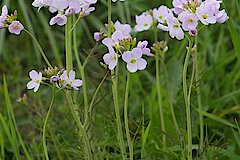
[[185, 16], [65, 8], [121, 44], [10, 21], [60, 78]]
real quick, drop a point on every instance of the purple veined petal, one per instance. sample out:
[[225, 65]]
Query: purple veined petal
[[77, 83], [37, 3], [127, 56], [112, 65], [52, 9], [71, 75], [163, 27], [88, 11], [132, 67], [97, 36], [117, 36], [70, 11], [147, 51], [31, 84], [74, 87], [33, 74], [211, 19], [62, 21], [179, 34], [39, 77], [75, 5], [108, 41], [139, 28], [60, 4], [91, 1], [107, 58], [141, 64], [4, 10], [137, 53], [36, 87]]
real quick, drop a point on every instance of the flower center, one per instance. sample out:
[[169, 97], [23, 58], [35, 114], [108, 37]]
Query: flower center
[[133, 60], [16, 27], [190, 20], [145, 24], [175, 26], [160, 17], [204, 16]]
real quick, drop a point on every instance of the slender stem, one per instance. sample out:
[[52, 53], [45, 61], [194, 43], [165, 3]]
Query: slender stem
[[93, 100], [187, 101], [68, 43], [80, 126], [130, 144], [160, 103], [199, 98], [45, 125], [82, 73], [40, 48], [114, 77], [117, 113]]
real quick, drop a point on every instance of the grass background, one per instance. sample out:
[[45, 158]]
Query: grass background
[[218, 48]]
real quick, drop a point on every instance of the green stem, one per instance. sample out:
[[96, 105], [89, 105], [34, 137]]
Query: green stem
[[199, 98], [80, 126], [130, 144], [40, 48], [114, 77], [68, 43], [82, 73], [45, 125], [117, 113], [187, 101], [160, 103]]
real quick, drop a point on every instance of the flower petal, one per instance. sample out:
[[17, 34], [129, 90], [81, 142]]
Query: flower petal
[[132, 67], [33, 74], [31, 84]]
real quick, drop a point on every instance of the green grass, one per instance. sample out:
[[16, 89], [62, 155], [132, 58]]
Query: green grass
[[21, 123]]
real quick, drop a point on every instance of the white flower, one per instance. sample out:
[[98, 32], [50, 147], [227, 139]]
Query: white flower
[[36, 80], [74, 83]]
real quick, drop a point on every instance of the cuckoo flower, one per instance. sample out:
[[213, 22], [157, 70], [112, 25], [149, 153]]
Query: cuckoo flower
[[36, 79], [111, 58], [143, 46], [117, 36], [124, 28], [15, 27], [161, 14], [144, 22], [175, 29], [74, 83], [206, 15], [134, 60], [221, 16], [4, 14], [58, 19], [188, 19]]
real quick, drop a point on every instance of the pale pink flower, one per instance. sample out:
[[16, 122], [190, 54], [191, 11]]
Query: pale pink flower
[[124, 28], [59, 19], [35, 82], [144, 22], [111, 58], [143, 46], [15, 27], [134, 60], [188, 19]]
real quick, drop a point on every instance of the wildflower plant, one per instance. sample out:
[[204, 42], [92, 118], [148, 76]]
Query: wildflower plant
[[184, 20]]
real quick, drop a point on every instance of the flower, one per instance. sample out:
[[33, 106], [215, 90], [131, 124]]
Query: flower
[[36, 79], [189, 20], [124, 28], [221, 16], [59, 19], [175, 29], [4, 14], [74, 83], [143, 46], [161, 14], [97, 36], [117, 36], [134, 60], [193, 32], [54, 79], [15, 27], [144, 22], [205, 14], [111, 58]]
